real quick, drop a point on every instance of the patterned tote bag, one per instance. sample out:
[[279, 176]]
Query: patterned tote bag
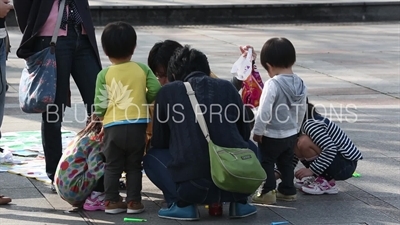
[[80, 167], [37, 87]]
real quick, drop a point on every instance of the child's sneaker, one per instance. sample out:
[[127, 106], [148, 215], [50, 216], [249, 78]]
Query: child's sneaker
[[135, 207], [267, 198], [115, 207], [303, 182], [321, 186], [287, 198], [94, 202]]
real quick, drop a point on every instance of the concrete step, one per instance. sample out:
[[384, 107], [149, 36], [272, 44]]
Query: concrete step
[[271, 13]]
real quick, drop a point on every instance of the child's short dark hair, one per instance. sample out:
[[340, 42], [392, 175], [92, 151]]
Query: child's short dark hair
[[278, 52], [118, 40], [160, 54]]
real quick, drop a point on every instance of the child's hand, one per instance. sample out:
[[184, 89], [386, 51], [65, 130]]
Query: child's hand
[[243, 50], [5, 8], [257, 138], [101, 134], [303, 172]]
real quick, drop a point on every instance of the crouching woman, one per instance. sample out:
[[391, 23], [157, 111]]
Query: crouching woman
[[178, 162]]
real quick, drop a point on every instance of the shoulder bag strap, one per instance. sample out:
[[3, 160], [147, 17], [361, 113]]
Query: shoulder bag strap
[[58, 23], [195, 106]]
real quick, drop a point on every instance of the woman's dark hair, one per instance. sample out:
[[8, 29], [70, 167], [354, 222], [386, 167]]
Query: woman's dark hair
[[160, 54], [118, 40], [311, 112], [185, 61], [278, 52]]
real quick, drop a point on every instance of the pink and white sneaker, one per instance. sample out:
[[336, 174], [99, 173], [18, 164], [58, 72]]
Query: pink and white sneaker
[[321, 186], [304, 182], [95, 202]]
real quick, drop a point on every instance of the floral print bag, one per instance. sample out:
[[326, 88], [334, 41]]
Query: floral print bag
[[37, 87], [80, 167]]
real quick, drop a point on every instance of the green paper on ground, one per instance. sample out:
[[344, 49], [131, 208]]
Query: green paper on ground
[[355, 174], [134, 220]]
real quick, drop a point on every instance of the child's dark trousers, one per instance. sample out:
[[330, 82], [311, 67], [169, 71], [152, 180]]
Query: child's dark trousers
[[281, 152], [123, 149]]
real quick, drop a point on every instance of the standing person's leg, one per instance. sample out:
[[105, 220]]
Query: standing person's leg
[[286, 189], [3, 79], [52, 119], [155, 166], [135, 143], [114, 152], [3, 90], [85, 68], [269, 152]]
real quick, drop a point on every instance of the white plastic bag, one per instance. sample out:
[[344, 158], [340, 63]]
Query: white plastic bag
[[243, 66], [6, 157]]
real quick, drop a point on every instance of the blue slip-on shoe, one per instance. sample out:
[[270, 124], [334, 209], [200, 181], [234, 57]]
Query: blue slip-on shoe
[[238, 210], [176, 213]]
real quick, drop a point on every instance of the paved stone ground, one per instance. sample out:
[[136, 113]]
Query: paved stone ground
[[213, 2], [355, 66]]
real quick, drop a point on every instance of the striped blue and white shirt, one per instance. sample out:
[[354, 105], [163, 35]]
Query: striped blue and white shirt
[[331, 140]]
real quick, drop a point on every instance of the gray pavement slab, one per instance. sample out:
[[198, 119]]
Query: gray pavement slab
[[342, 65], [30, 205]]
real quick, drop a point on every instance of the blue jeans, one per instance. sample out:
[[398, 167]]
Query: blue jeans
[[255, 149], [3, 79], [199, 191], [75, 56]]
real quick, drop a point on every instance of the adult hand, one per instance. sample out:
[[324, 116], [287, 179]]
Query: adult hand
[[257, 138], [5, 8], [303, 172], [244, 49]]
